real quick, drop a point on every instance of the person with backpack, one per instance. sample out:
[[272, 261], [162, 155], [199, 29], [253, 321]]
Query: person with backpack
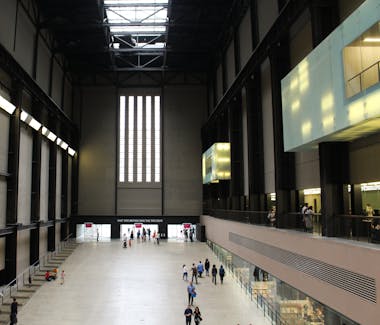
[[214, 272], [221, 273], [194, 273]]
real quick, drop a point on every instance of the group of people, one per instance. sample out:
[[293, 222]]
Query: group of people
[[54, 274], [141, 235], [197, 272], [189, 234]]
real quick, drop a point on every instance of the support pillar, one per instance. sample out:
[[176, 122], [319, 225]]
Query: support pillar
[[284, 161], [334, 173], [12, 183], [52, 194]]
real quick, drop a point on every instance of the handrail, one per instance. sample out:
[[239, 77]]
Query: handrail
[[363, 71], [25, 277]]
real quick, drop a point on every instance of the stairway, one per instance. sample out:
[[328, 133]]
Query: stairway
[[25, 291]]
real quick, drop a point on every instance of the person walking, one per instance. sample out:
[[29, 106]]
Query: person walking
[[62, 277], [13, 315], [188, 313], [194, 273], [197, 316], [207, 267], [191, 294], [184, 272], [214, 272], [221, 273]]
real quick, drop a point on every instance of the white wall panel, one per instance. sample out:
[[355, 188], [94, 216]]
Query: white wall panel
[[58, 185], [57, 84], [25, 175], [23, 251], [245, 34], [43, 241], [24, 41], [57, 234], [2, 253], [267, 13], [4, 140], [269, 173], [7, 23], [44, 181], [230, 64], [3, 201], [69, 184], [43, 65]]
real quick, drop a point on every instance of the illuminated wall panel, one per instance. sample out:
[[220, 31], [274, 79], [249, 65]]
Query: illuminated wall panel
[[216, 163], [314, 102]]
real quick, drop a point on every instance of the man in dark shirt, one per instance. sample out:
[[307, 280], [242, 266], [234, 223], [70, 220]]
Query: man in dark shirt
[[13, 315], [188, 313]]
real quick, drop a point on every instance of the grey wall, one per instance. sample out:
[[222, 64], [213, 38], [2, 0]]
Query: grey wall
[[267, 13], [245, 35], [19, 40], [266, 95], [346, 7], [184, 108], [307, 169], [182, 113], [23, 250], [230, 64], [97, 161]]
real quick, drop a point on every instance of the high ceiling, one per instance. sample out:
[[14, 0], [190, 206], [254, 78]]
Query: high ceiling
[[138, 35]]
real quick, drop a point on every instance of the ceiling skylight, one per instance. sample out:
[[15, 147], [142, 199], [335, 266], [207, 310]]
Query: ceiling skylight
[[142, 20]]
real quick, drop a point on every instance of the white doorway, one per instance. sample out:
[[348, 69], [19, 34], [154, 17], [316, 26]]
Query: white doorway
[[127, 229], [179, 231], [93, 232]]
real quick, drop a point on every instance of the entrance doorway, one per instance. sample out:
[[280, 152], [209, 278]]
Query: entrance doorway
[[178, 232], [89, 232], [127, 228]]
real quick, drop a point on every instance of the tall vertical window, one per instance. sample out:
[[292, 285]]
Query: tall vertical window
[[122, 140], [131, 129], [148, 139], [157, 139], [140, 139]]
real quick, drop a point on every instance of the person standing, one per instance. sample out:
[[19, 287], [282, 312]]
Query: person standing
[[62, 277], [197, 316], [97, 234], [308, 217], [191, 293], [256, 273], [214, 272], [13, 315], [207, 267], [148, 231], [188, 313], [200, 269], [221, 274]]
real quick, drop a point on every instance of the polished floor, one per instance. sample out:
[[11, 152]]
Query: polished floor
[[106, 284]]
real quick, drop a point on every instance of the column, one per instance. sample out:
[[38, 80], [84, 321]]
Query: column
[[334, 174]]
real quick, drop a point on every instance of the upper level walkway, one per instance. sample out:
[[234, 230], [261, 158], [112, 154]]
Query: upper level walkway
[[107, 284]]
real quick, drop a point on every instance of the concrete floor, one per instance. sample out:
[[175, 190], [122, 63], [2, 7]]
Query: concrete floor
[[106, 284]]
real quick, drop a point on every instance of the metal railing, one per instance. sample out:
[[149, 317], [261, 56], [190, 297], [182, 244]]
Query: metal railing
[[24, 278], [266, 306], [351, 227], [363, 80]]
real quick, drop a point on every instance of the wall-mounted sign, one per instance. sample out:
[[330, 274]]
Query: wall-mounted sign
[[88, 225], [186, 225], [138, 225]]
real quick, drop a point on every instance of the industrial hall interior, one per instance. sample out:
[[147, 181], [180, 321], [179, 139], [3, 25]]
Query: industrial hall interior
[[190, 162]]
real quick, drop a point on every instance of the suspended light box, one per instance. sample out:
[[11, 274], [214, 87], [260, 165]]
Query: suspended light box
[[216, 163]]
